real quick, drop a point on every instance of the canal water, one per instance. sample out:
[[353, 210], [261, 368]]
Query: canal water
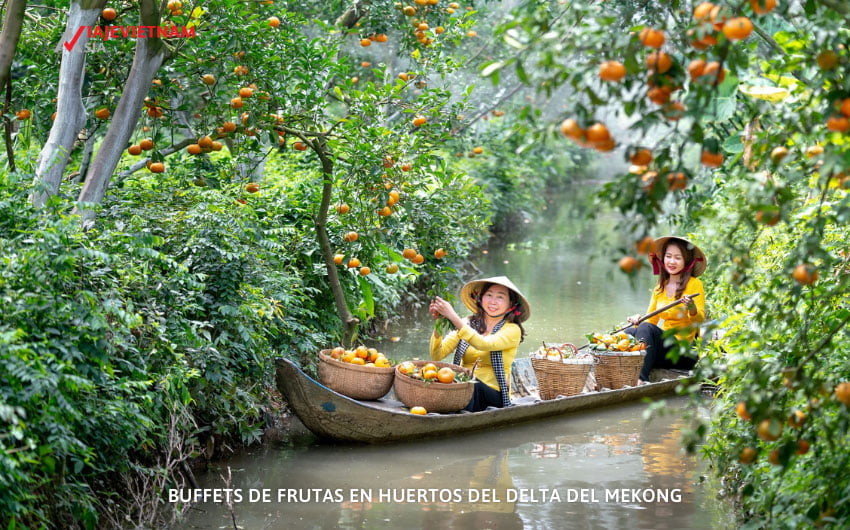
[[604, 468]]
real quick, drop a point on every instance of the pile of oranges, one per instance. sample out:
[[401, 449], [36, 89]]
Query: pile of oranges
[[361, 355], [615, 342], [430, 372]]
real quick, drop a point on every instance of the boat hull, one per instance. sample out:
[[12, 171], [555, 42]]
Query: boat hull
[[336, 417]]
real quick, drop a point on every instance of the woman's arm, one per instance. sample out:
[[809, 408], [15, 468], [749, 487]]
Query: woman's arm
[[443, 346]]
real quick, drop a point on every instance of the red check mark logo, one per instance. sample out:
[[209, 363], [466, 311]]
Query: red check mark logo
[[70, 44]]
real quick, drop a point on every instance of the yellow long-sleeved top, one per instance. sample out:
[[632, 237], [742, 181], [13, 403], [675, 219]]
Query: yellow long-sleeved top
[[505, 340], [678, 316]]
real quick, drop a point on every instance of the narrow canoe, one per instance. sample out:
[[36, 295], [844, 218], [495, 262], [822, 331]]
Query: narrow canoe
[[336, 417]]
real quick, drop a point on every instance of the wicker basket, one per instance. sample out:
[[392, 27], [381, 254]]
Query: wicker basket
[[433, 395], [617, 369], [565, 377], [353, 380]]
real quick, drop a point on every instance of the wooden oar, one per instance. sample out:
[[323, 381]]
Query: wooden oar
[[641, 319]]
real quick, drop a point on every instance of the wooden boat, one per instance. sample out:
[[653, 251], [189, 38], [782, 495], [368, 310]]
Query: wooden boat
[[336, 417]]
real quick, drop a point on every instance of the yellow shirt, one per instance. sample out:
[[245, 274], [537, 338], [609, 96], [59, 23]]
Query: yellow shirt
[[505, 340], [677, 316]]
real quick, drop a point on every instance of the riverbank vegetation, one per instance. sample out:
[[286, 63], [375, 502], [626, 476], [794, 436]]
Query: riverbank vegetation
[[178, 211]]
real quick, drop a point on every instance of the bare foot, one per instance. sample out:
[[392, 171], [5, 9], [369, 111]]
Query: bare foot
[[641, 382]]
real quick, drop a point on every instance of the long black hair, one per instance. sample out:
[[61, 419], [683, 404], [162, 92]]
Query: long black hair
[[688, 257], [477, 321]]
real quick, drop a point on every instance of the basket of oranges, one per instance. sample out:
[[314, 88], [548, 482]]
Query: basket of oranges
[[560, 370], [436, 386], [619, 358], [361, 373]]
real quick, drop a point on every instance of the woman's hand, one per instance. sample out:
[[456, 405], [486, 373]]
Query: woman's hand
[[688, 301], [441, 307], [634, 320]]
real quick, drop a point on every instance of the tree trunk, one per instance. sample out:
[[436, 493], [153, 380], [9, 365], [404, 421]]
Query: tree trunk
[[70, 112], [9, 36], [349, 321], [149, 56]]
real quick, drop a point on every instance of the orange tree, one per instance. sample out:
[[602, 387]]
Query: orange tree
[[733, 117], [218, 176]]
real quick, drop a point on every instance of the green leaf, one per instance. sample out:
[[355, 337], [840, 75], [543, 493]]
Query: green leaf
[[368, 303]]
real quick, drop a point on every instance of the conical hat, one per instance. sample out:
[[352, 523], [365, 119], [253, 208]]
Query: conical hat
[[474, 288], [699, 256]]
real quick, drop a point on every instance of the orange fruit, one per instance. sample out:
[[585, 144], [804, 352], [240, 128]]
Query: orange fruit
[[838, 123], [677, 181], [408, 253], [440, 253], [710, 159], [762, 7], [157, 167], [418, 410], [778, 153], [342, 209], [418, 259], [362, 352], [842, 392], [747, 455], [628, 264], [769, 430], [337, 352], [348, 356], [696, 68], [365, 43], [641, 157], [477, 150], [351, 236], [364, 271], [101, 113], [797, 419], [381, 37], [659, 95], [252, 187], [803, 447], [738, 28], [673, 110], [228, 126], [393, 196], [767, 217], [406, 166], [365, 64], [299, 146], [386, 211], [338, 258], [659, 61], [274, 22], [134, 150], [844, 106], [651, 38], [805, 274], [419, 121], [703, 11], [571, 129], [109, 14], [382, 362], [358, 360], [612, 71], [208, 79], [194, 149], [597, 133], [741, 410], [773, 457], [827, 60], [146, 144], [814, 151], [236, 103], [471, 33], [374, 354], [392, 268], [353, 263], [23, 114], [246, 92], [446, 375], [429, 374], [645, 245], [205, 142], [713, 73]]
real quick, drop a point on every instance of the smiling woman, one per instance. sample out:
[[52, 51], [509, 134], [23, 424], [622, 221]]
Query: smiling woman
[[489, 337]]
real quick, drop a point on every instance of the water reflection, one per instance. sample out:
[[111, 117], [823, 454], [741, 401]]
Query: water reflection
[[595, 470]]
